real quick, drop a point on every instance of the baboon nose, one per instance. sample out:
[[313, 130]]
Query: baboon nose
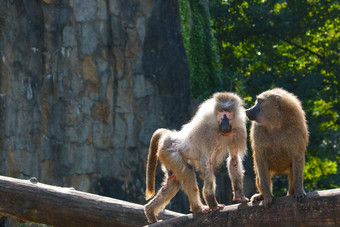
[[225, 129], [250, 115], [224, 126]]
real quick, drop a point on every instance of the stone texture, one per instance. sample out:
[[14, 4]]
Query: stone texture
[[84, 10], [88, 38], [89, 70], [83, 85], [101, 135], [102, 112], [120, 131], [142, 87]]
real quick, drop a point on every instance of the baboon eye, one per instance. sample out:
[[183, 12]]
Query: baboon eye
[[259, 100]]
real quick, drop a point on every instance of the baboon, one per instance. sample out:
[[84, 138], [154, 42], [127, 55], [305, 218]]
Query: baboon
[[279, 137], [218, 128]]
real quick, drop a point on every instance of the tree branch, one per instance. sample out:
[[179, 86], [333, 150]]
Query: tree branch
[[298, 46], [29, 200], [321, 208]]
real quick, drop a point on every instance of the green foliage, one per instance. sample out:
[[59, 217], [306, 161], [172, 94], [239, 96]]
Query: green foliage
[[316, 170], [289, 44], [200, 49]]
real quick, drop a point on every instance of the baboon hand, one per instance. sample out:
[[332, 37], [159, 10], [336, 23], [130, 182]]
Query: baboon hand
[[299, 195]]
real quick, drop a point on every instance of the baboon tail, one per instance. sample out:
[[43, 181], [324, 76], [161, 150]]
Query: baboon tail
[[152, 164]]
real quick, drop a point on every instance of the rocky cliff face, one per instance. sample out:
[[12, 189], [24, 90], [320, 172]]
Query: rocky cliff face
[[84, 83]]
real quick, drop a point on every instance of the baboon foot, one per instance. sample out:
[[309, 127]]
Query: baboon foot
[[218, 207], [256, 197], [267, 201], [150, 215], [290, 192], [201, 210], [241, 198]]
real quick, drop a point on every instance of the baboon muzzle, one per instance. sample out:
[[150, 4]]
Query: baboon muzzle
[[224, 126], [252, 112]]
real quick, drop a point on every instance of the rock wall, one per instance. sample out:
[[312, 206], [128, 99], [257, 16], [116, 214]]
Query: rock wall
[[84, 83]]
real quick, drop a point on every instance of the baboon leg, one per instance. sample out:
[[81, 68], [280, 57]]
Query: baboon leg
[[259, 196], [290, 182], [190, 187], [169, 189], [235, 169], [298, 166], [257, 183], [263, 181], [271, 175], [186, 175], [209, 191]]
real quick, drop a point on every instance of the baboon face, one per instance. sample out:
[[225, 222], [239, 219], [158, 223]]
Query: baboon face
[[224, 124], [266, 109], [225, 112], [254, 111]]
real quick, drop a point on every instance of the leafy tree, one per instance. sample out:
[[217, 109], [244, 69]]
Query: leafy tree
[[290, 44], [200, 47]]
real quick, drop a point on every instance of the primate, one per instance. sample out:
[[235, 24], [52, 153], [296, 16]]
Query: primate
[[218, 128], [279, 137]]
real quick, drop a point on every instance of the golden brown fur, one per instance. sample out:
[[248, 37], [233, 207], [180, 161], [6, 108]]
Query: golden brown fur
[[199, 146], [279, 137]]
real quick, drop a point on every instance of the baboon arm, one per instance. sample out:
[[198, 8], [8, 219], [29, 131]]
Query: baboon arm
[[209, 189], [263, 175]]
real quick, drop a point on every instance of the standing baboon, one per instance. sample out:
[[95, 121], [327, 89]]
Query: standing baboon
[[217, 128], [279, 137]]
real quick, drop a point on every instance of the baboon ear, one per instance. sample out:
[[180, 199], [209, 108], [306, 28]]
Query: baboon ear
[[277, 100]]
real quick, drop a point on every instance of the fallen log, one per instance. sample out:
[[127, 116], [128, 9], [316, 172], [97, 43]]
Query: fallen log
[[29, 200], [320, 208]]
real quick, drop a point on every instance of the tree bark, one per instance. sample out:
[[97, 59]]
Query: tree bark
[[29, 200], [320, 208]]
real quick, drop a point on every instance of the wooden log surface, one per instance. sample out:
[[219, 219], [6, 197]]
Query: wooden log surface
[[29, 200], [320, 208]]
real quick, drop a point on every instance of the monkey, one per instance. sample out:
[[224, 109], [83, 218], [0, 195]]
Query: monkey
[[279, 137], [217, 129]]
